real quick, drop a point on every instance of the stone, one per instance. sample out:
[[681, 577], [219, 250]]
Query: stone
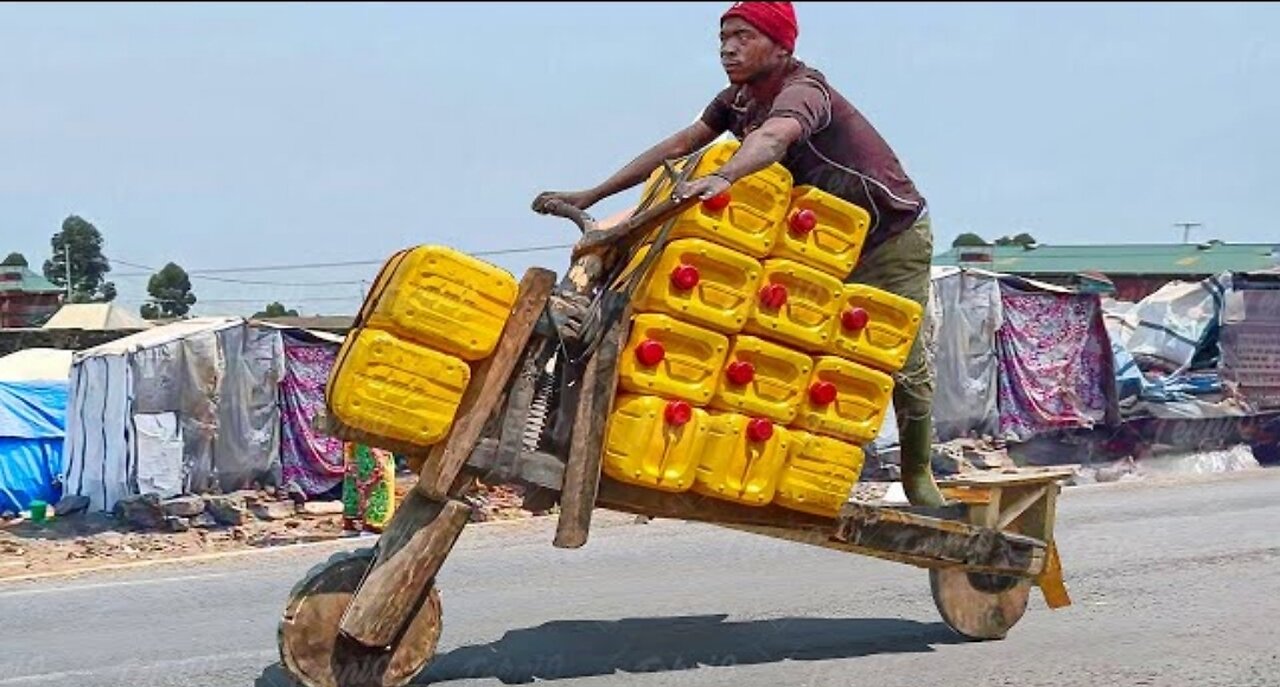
[[228, 509], [204, 520], [988, 460], [948, 461], [183, 506], [274, 510], [71, 504], [321, 508], [110, 538], [176, 524], [141, 511]]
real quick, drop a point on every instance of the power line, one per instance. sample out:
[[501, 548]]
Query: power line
[[347, 263], [230, 280], [203, 301]]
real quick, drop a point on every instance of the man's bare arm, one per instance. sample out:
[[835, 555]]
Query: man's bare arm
[[676, 145], [761, 148]]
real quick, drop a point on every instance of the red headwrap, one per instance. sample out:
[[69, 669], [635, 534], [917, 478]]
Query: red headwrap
[[777, 20]]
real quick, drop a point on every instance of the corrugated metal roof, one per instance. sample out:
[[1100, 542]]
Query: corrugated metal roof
[[1175, 259], [24, 280]]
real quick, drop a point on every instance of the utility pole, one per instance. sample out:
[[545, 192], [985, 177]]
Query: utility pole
[[1186, 229], [66, 259]]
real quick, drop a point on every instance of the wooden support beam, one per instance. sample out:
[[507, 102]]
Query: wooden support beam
[[626, 498], [1027, 499], [488, 380], [935, 542], [582, 470], [406, 560]]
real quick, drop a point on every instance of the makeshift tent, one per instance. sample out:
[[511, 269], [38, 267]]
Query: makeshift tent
[[174, 410], [96, 316], [36, 364], [1014, 357], [1056, 365], [33, 413], [964, 306]]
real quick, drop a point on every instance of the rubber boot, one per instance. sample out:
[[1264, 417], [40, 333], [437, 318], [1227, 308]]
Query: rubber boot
[[915, 439]]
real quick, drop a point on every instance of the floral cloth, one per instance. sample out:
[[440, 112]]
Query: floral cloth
[[1054, 371], [312, 463], [368, 488]]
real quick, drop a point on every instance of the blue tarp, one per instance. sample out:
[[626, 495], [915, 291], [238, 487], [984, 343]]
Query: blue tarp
[[33, 421]]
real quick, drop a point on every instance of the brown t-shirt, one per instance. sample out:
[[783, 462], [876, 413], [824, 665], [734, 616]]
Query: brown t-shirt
[[838, 152]]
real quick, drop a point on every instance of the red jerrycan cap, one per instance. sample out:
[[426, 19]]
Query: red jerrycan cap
[[684, 277], [822, 393], [678, 413], [773, 296], [650, 352], [740, 372], [759, 429], [854, 319], [803, 221], [717, 202]]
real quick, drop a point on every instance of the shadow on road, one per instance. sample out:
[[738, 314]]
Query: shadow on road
[[572, 649]]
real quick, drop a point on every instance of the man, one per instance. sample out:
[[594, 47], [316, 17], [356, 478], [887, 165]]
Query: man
[[783, 111]]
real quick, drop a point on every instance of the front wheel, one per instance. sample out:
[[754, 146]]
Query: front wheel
[[315, 654]]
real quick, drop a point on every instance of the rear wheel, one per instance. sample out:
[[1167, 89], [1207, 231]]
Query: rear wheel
[[976, 605]]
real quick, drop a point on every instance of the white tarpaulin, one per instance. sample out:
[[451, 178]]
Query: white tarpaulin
[[965, 310], [217, 377]]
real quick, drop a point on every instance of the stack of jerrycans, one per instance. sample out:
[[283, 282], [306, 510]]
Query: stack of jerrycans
[[739, 378], [404, 367]]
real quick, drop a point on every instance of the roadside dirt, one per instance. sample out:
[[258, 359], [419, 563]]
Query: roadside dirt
[[84, 540]]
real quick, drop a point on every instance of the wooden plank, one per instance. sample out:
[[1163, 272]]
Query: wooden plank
[[1051, 583], [582, 470], [1025, 501], [824, 540], [909, 537], [1021, 477], [987, 514], [408, 556], [488, 380], [626, 498]]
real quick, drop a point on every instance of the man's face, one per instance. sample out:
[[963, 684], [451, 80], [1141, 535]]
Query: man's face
[[745, 53]]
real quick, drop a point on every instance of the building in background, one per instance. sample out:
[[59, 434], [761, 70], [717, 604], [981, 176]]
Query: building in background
[[1126, 272], [26, 298]]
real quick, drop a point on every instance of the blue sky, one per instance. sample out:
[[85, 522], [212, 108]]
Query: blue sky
[[226, 136]]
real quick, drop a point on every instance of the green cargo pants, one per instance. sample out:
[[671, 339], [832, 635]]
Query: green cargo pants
[[900, 266]]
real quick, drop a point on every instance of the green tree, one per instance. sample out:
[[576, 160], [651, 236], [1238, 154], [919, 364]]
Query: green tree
[[1023, 239], [276, 309], [968, 239], [170, 290], [15, 260], [81, 242]]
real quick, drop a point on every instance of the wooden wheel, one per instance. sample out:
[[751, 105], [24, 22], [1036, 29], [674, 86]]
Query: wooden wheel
[[314, 653], [979, 606]]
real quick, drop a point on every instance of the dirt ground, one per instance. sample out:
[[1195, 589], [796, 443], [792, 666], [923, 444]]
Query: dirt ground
[[84, 540]]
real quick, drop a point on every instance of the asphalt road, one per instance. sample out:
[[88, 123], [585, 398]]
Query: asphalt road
[[1173, 585]]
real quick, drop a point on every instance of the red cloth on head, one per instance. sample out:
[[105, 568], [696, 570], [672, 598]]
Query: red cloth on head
[[777, 20]]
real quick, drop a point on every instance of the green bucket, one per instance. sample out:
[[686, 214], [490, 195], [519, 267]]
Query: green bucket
[[39, 511]]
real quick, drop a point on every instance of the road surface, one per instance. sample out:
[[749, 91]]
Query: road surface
[[1173, 585]]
